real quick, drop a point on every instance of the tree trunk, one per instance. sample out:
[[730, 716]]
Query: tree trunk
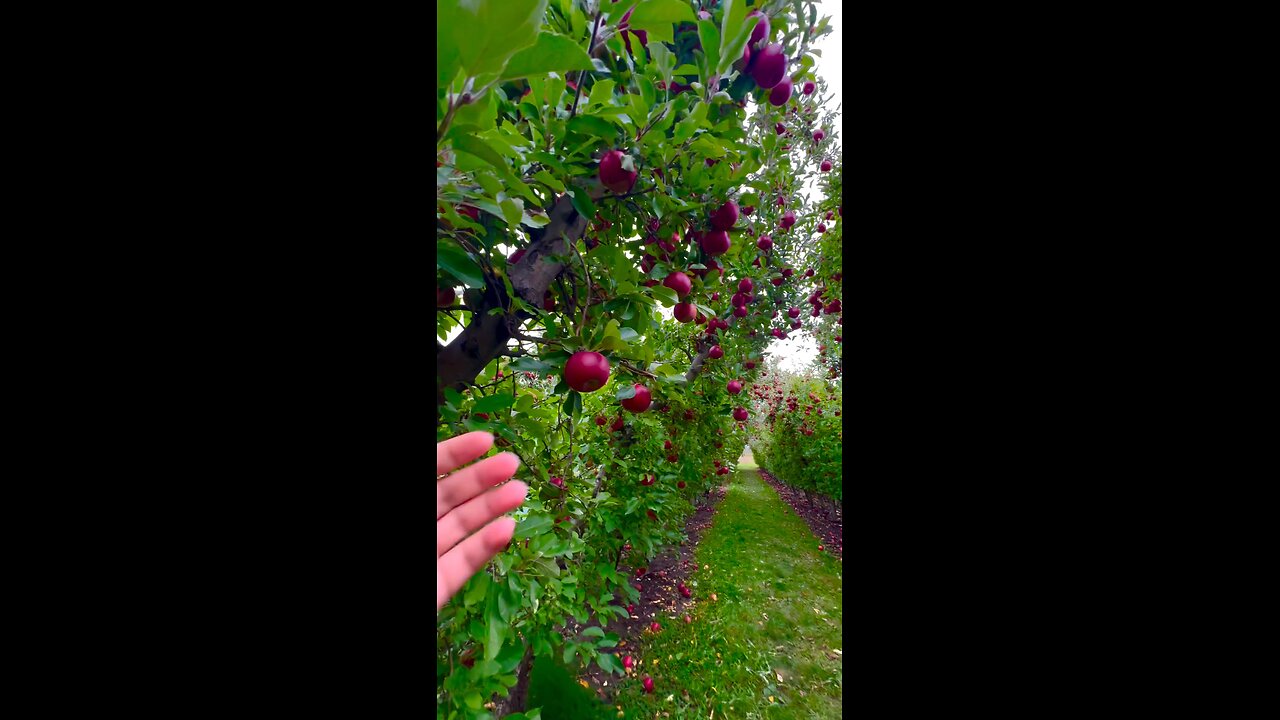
[[485, 336], [517, 699]]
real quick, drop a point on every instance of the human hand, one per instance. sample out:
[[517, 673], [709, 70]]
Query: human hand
[[466, 501]]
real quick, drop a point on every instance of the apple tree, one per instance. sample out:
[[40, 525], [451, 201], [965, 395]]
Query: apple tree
[[621, 227]]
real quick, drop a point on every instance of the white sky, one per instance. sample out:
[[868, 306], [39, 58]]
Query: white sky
[[800, 349]]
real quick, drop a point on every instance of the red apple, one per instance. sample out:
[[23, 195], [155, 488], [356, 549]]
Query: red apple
[[716, 353], [558, 482], [761, 30], [445, 297], [764, 243], [745, 285], [740, 414], [780, 94], [715, 242], [617, 171], [725, 216], [679, 282], [641, 401], [648, 681], [822, 227], [826, 167], [788, 219], [808, 88], [734, 387], [769, 66], [684, 312], [818, 135], [587, 372]]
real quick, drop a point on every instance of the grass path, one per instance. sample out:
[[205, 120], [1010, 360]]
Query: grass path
[[769, 644]]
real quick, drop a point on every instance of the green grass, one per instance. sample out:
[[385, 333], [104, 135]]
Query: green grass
[[778, 612], [748, 460]]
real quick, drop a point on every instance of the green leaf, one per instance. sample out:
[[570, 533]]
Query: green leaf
[[686, 69], [468, 143], [657, 12], [477, 588], [710, 37], [549, 180], [512, 211], [531, 525], [573, 404], [626, 392], [486, 33], [491, 403], [550, 53], [459, 263], [601, 93], [609, 663], [594, 126], [593, 631], [663, 60], [735, 32], [473, 700], [569, 651], [581, 200], [497, 628]]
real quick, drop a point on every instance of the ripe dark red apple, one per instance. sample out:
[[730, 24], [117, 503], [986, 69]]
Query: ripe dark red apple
[[761, 30], [600, 420], [794, 312], [558, 482], [750, 364], [628, 662], [822, 227], [808, 273], [716, 353], [788, 219], [679, 282], [715, 242], [780, 93], [445, 297], [680, 484], [780, 128], [808, 88], [666, 444], [777, 282], [745, 285], [672, 458], [684, 312], [818, 135], [826, 166], [641, 401], [765, 243], [725, 216], [769, 66], [740, 311], [734, 387], [617, 425], [748, 210], [587, 371], [648, 681], [740, 414], [617, 171], [515, 257]]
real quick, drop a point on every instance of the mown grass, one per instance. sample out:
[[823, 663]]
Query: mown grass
[[766, 647]]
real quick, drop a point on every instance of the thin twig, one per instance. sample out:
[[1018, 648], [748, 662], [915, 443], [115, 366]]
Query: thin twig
[[637, 370], [577, 93]]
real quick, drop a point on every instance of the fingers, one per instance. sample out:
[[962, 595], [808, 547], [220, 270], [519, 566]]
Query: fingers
[[459, 564], [474, 514], [473, 480], [456, 452]]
